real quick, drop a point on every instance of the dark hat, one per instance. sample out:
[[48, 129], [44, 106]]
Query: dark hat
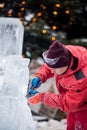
[[57, 55]]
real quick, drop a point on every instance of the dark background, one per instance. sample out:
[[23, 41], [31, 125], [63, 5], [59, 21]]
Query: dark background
[[64, 20]]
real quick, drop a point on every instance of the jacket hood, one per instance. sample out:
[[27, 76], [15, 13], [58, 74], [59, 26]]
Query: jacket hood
[[79, 55]]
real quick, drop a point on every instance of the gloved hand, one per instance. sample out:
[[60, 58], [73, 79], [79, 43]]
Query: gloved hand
[[35, 83], [32, 91], [33, 96], [35, 99]]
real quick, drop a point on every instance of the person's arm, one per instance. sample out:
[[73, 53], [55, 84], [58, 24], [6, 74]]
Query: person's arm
[[41, 76], [44, 73], [72, 101]]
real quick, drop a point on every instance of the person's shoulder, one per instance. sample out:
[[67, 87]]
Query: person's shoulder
[[75, 47]]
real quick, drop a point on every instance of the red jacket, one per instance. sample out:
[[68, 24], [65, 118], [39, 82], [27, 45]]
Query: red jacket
[[72, 86]]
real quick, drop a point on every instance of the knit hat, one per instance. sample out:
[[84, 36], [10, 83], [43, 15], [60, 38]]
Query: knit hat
[[57, 55]]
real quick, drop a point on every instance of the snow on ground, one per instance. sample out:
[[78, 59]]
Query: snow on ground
[[51, 125]]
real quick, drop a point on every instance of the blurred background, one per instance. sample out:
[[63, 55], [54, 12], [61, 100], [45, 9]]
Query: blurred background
[[47, 20]]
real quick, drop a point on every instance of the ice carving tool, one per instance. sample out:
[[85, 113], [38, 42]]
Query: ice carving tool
[[31, 91]]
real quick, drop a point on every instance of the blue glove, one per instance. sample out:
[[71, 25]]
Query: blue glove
[[32, 92], [35, 83]]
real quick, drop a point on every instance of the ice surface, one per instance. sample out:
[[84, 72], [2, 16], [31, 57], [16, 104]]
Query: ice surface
[[14, 111], [11, 36], [15, 74], [15, 114]]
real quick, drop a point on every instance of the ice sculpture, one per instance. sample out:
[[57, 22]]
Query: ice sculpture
[[15, 114], [11, 36]]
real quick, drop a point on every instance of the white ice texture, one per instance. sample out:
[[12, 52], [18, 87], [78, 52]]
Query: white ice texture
[[15, 113], [11, 36]]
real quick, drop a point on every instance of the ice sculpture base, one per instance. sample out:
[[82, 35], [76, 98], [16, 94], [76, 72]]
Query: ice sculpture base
[[15, 114]]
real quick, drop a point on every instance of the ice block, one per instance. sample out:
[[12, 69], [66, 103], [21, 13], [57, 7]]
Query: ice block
[[11, 36]]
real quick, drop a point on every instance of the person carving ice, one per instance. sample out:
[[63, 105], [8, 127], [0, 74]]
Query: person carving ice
[[68, 65]]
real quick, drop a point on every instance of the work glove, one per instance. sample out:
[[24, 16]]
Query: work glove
[[35, 83], [32, 91], [35, 99], [33, 96]]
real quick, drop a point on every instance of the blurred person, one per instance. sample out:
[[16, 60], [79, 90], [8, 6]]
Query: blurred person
[[68, 65]]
